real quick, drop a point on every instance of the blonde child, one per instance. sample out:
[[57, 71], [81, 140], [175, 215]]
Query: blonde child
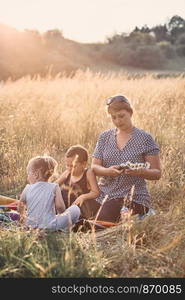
[[78, 183], [42, 200]]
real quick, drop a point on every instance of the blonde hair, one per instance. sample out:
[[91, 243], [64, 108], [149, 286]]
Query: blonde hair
[[46, 165]]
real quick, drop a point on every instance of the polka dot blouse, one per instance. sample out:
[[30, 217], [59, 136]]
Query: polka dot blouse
[[139, 145]]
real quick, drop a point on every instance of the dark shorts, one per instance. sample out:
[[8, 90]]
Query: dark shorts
[[110, 211], [89, 209]]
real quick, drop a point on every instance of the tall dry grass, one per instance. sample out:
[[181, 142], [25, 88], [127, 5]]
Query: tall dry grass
[[48, 115], [31, 254]]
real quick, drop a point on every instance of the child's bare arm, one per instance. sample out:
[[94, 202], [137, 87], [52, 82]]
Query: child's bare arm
[[62, 178], [92, 181], [94, 189], [59, 202]]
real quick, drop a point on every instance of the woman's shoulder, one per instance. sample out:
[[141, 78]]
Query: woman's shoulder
[[107, 133], [146, 138], [142, 133]]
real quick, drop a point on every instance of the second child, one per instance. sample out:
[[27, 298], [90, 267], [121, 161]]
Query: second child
[[78, 183]]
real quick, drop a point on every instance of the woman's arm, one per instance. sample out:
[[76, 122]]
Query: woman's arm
[[154, 173], [94, 189], [99, 170], [59, 202]]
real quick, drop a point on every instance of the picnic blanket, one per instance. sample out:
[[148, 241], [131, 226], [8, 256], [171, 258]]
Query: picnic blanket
[[8, 209], [85, 225], [7, 200], [8, 203]]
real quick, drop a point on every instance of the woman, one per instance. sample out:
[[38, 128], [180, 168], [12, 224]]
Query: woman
[[119, 145]]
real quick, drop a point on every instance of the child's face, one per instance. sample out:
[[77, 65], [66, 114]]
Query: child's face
[[73, 166]]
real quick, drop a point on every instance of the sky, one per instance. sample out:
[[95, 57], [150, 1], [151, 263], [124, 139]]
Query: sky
[[88, 21]]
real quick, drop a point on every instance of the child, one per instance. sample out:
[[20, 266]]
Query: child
[[78, 183], [43, 199]]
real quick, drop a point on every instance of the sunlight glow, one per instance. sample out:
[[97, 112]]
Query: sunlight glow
[[85, 20]]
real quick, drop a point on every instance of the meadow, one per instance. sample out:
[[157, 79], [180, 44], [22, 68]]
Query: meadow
[[46, 116]]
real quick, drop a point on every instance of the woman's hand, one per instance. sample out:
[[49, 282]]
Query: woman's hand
[[154, 173], [97, 166], [138, 172], [113, 171]]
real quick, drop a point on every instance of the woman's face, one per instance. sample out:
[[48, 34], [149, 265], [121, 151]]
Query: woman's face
[[121, 119]]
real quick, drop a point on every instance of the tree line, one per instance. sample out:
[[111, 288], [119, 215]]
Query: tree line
[[149, 47], [30, 52]]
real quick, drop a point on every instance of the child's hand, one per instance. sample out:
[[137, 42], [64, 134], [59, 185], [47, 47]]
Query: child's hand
[[79, 201]]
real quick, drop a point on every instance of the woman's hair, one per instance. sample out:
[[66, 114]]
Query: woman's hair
[[46, 165], [79, 151], [117, 103]]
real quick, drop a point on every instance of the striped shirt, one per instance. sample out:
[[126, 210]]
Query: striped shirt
[[39, 199]]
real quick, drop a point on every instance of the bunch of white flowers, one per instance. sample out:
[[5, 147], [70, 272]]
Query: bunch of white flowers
[[135, 166]]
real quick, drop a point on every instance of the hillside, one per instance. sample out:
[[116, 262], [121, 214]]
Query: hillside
[[142, 51]]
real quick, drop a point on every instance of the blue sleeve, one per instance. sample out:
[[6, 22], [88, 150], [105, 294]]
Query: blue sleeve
[[23, 194], [151, 146]]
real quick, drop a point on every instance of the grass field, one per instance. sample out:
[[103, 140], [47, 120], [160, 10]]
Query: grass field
[[46, 116]]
